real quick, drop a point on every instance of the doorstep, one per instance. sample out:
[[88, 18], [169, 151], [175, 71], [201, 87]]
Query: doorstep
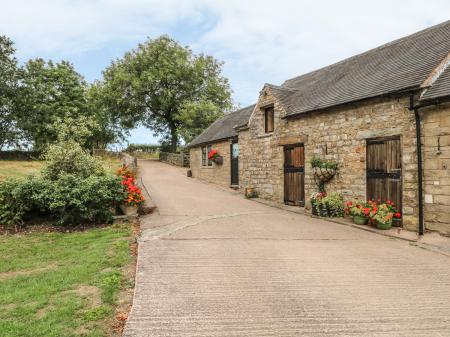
[[432, 241]]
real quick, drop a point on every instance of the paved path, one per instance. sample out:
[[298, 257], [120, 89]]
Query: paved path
[[214, 264]]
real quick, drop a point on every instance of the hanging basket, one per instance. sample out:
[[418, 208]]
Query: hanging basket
[[323, 175], [218, 160]]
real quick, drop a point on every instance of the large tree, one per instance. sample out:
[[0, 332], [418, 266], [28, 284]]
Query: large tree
[[49, 92], [8, 90], [163, 86]]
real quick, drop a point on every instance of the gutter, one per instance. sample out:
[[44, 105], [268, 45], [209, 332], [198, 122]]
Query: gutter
[[416, 108]]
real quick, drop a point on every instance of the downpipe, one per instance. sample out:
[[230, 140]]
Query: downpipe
[[415, 108]]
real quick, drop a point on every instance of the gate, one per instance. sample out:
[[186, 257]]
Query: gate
[[384, 170], [294, 175]]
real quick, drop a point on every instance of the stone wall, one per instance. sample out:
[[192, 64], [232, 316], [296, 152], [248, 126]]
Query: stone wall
[[436, 152], [339, 134], [218, 174]]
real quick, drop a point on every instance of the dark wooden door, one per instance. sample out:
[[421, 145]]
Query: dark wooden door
[[294, 175], [384, 170], [234, 150]]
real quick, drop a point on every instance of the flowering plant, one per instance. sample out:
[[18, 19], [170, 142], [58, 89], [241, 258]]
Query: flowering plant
[[318, 196], [358, 208], [132, 193], [213, 154], [125, 171], [380, 214], [383, 213]]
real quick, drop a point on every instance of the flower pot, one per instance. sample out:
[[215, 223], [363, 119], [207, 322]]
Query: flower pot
[[323, 210], [384, 226], [360, 220], [396, 222], [249, 192], [218, 160], [314, 208], [128, 210]]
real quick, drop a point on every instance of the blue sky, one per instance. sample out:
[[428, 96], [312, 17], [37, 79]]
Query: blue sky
[[259, 41]]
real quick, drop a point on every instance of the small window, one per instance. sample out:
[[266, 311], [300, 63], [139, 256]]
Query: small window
[[268, 119], [205, 160]]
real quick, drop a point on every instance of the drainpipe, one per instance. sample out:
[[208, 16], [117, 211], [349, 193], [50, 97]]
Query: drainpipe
[[419, 161]]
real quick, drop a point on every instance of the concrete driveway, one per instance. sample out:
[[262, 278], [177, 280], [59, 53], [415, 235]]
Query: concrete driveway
[[212, 263]]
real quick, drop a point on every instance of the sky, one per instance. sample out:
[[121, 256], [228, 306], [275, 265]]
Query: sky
[[259, 41]]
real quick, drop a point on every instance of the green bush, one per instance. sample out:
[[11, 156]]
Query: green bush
[[70, 158], [68, 200], [75, 200], [334, 203]]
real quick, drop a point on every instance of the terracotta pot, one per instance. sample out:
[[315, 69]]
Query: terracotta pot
[[360, 220], [128, 210]]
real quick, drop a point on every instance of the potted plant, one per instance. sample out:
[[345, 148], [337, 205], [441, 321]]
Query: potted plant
[[215, 157], [396, 220], [359, 212], [382, 216], [316, 197], [132, 194], [334, 204], [324, 171]]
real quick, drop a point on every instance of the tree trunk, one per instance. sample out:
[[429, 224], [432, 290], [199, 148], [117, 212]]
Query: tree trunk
[[173, 139]]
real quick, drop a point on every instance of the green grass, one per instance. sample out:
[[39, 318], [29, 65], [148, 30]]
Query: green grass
[[62, 284], [18, 168], [22, 168]]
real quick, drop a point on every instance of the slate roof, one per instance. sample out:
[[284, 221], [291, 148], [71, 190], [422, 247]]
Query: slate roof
[[224, 127], [396, 66], [440, 88], [399, 66]]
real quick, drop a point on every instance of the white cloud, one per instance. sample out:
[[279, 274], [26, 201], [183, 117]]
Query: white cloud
[[260, 41]]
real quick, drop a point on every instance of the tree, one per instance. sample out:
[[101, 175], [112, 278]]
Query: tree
[[8, 89], [49, 92], [156, 83], [108, 128]]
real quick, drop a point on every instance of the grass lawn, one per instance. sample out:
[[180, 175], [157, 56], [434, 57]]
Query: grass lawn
[[18, 168], [63, 284], [21, 168]]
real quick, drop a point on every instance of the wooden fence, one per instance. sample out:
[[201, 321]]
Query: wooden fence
[[178, 159]]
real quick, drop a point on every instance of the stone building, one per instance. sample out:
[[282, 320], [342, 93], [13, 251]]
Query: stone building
[[365, 113]]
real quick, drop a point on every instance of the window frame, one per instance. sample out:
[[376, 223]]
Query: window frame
[[205, 161], [267, 110]]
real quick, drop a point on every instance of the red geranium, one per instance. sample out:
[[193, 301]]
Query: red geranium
[[213, 154], [132, 194]]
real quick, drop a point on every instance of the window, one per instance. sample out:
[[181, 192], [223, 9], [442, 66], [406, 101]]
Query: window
[[268, 119], [205, 160]]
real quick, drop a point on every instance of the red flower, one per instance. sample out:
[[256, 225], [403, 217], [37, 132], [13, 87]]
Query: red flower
[[398, 215], [212, 154]]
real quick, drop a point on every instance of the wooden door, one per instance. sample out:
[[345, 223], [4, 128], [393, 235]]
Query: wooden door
[[294, 175], [234, 150], [384, 170]]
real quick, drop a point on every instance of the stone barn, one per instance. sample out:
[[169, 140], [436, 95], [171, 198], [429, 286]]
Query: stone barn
[[366, 113]]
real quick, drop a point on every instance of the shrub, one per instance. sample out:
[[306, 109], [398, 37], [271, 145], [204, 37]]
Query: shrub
[[20, 197], [75, 200], [67, 200], [70, 158]]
